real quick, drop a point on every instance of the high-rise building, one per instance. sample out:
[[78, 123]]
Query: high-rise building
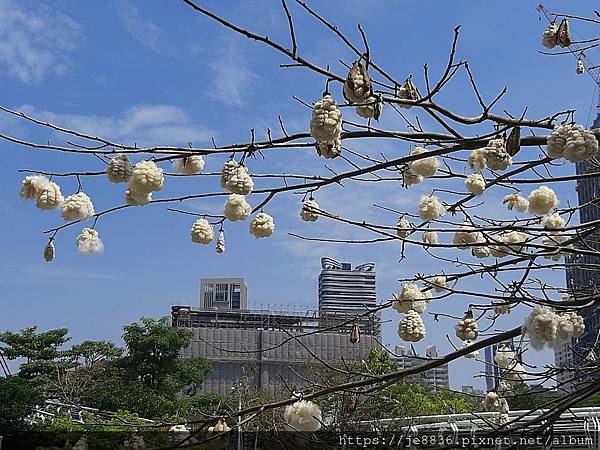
[[436, 378], [223, 294], [346, 291], [583, 275], [492, 370]]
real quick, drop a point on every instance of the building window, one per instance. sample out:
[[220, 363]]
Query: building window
[[236, 295], [222, 293], [209, 290]]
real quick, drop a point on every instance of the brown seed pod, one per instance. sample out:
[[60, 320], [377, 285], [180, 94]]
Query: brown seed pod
[[563, 35], [513, 143], [355, 334], [357, 87], [49, 251]]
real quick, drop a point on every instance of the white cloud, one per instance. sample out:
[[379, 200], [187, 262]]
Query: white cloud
[[141, 29], [35, 40], [144, 124], [231, 76]]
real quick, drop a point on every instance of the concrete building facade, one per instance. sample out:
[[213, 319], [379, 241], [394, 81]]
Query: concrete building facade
[[223, 294]]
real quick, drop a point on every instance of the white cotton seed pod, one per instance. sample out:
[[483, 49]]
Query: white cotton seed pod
[[496, 156], [88, 242], [542, 327], [464, 236], [329, 149], [403, 228], [473, 354], [262, 226], [409, 297], [439, 283], [411, 328], [504, 388], [309, 209], [303, 415], [475, 184], [558, 242], [119, 169], [220, 427], [50, 197], [555, 143], [202, 232], [491, 402], [430, 237], [503, 414], [426, 167], [480, 251], [570, 324], [136, 199], [501, 307], [431, 208], [549, 36], [581, 144], [49, 251], [410, 178], [77, 207], [466, 329], [553, 222], [542, 200], [32, 186], [239, 182], [371, 109], [515, 373], [516, 202], [227, 171], [147, 177], [236, 208], [220, 242], [476, 159], [189, 165], [326, 120], [504, 357], [514, 241]]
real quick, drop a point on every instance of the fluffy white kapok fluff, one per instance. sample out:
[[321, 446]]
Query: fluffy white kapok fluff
[[476, 160], [88, 242], [411, 328], [370, 109], [326, 120], [49, 197], [227, 171], [542, 200], [514, 241], [542, 327], [431, 208], [475, 184], [439, 283], [303, 415], [516, 201], [549, 36], [202, 232], [553, 222], [236, 208], [147, 177], [410, 178], [32, 186], [570, 324], [403, 228], [119, 169], [220, 242], [426, 167], [430, 237], [504, 357], [262, 226], [496, 156], [558, 242], [239, 181], [77, 207], [491, 402], [409, 297], [466, 329], [309, 209], [501, 307], [465, 236], [555, 143], [189, 165], [329, 149], [581, 144], [136, 199]]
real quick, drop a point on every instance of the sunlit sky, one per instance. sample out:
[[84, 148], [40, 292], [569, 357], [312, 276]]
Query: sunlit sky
[[158, 73]]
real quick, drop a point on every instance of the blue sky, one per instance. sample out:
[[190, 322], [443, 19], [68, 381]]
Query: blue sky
[[159, 73]]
